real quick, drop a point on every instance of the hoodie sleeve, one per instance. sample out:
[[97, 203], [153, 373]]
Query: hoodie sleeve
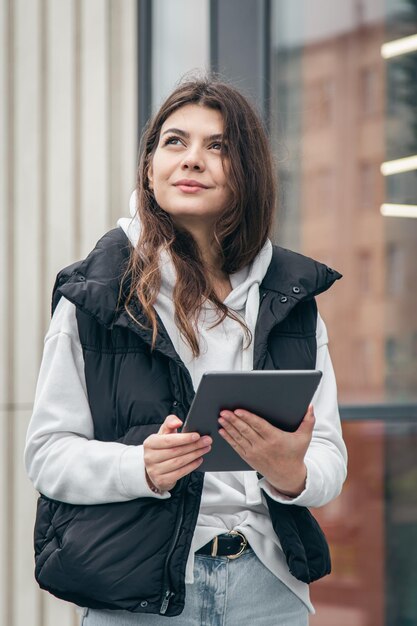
[[326, 457], [62, 458]]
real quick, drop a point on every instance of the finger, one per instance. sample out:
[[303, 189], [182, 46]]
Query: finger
[[256, 423], [170, 425], [243, 427], [159, 442], [176, 463], [164, 454], [168, 480], [241, 451], [234, 432], [308, 422]]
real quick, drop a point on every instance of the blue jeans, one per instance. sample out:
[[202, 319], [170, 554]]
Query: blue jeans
[[225, 593]]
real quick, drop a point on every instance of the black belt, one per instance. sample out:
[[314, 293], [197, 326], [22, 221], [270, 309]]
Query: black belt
[[232, 544]]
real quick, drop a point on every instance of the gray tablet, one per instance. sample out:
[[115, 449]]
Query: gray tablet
[[279, 396]]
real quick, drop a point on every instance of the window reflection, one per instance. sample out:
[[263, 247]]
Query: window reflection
[[372, 530], [342, 110]]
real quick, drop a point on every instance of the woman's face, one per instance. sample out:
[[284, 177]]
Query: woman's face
[[186, 173]]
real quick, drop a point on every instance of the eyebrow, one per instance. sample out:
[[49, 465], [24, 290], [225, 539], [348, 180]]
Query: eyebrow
[[183, 133]]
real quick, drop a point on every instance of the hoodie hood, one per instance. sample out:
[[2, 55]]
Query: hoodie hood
[[243, 299], [131, 225]]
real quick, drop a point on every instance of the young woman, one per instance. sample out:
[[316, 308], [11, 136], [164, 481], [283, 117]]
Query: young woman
[[126, 524]]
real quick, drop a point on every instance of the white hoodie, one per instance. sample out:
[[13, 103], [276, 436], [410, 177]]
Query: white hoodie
[[65, 462]]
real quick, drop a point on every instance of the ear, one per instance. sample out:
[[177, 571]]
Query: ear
[[150, 176]]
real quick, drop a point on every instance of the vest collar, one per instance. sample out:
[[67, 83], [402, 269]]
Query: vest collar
[[291, 278], [297, 277], [94, 285]]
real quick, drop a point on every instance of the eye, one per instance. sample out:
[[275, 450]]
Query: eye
[[172, 141], [219, 146]]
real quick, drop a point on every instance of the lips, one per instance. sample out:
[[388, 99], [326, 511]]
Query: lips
[[187, 184]]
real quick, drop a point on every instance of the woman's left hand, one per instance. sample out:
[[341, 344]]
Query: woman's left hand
[[276, 454]]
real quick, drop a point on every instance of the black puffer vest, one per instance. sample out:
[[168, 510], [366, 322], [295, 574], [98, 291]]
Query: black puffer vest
[[132, 555]]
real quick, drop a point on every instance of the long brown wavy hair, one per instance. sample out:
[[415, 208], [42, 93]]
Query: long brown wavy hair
[[241, 230]]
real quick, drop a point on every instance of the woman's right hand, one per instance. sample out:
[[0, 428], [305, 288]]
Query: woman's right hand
[[170, 455]]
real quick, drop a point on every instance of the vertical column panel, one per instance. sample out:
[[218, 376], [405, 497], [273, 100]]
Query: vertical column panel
[[26, 218], [4, 192], [55, 132], [26, 212], [61, 131], [4, 189], [94, 121], [115, 96], [59, 219], [123, 106], [26, 594], [129, 102], [6, 301]]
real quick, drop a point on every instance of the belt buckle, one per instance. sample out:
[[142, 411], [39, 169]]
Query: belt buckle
[[215, 546], [243, 544]]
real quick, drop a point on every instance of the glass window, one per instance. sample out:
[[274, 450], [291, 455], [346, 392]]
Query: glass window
[[342, 107], [180, 43], [374, 517], [335, 140]]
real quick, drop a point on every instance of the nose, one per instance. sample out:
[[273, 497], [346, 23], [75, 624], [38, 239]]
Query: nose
[[193, 160]]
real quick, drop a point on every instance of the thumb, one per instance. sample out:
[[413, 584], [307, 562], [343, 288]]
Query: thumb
[[308, 422], [170, 425]]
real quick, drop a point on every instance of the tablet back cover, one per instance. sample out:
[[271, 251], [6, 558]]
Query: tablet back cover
[[279, 396]]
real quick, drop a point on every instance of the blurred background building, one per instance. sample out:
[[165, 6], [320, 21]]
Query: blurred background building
[[336, 83]]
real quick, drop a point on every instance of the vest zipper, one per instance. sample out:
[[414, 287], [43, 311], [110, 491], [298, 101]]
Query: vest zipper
[[167, 598], [168, 594]]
